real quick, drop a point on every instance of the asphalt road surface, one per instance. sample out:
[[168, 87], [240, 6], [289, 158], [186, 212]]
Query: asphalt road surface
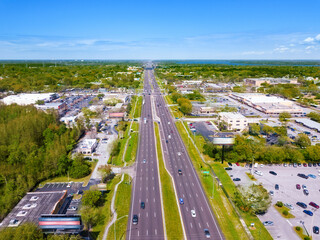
[[187, 185], [146, 183]]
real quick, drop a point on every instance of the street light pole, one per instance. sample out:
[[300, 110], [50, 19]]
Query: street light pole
[[302, 222]]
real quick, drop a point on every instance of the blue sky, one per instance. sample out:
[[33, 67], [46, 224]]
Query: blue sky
[[103, 29]]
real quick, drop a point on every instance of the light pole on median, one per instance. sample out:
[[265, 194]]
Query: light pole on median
[[302, 222]]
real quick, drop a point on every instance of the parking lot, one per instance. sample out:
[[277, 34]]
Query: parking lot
[[287, 179]]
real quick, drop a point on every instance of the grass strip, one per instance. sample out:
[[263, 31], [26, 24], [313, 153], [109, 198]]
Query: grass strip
[[281, 209], [105, 210], [122, 206], [173, 223], [226, 216], [301, 233], [137, 113]]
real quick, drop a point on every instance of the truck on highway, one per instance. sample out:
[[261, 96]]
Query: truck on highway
[[145, 120]]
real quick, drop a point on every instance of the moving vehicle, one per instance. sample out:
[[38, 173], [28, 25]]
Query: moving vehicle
[[207, 233], [144, 161], [193, 213], [179, 171], [301, 204], [308, 212], [135, 219], [181, 201], [268, 223], [142, 205], [145, 120]]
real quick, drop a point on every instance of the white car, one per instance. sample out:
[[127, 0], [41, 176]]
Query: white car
[[144, 161], [258, 173], [288, 205], [193, 213]]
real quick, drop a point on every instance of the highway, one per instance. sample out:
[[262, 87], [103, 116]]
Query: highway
[[146, 182], [187, 185]]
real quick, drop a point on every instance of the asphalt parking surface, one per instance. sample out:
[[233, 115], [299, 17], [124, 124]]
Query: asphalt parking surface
[[286, 179]]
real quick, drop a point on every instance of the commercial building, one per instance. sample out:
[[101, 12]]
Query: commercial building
[[207, 110], [59, 106], [268, 104], [29, 98], [309, 123], [33, 205], [123, 97], [70, 121], [117, 115], [87, 146], [256, 82], [233, 121]]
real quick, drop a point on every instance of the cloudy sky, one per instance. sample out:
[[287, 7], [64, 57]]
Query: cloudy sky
[[103, 29]]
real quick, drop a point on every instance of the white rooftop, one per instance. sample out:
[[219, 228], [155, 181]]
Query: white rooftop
[[26, 98], [257, 98], [232, 115]]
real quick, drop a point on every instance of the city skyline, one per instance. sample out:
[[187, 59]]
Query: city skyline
[[166, 30]]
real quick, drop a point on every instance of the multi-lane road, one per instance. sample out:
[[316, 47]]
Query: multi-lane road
[[146, 182], [146, 185]]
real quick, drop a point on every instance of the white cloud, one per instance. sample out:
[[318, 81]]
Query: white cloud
[[317, 37], [309, 40], [310, 47], [281, 49]]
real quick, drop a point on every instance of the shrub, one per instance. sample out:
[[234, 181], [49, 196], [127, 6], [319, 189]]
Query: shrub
[[307, 238], [279, 204], [285, 212], [298, 228]]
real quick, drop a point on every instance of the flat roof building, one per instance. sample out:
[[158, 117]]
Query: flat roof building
[[256, 82], [29, 98], [33, 205], [272, 105], [234, 121], [87, 146], [309, 123]]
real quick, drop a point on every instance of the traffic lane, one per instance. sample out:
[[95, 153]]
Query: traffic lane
[[193, 225], [215, 230]]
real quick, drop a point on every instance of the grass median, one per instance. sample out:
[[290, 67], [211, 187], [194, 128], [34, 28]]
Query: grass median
[[137, 113], [122, 206], [172, 217]]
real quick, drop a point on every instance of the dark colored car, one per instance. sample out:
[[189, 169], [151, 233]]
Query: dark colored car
[[228, 168], [236, 179], [230, 164], [306, 192], [299, 164], [142, 205], [309, 164], [135, 219], [298, 186], [273, 173], [301, 204], [314, 164], [308, 212], [179, 172], [314, 205], [276, 186], [315, 229], [302, 175], [250, 165], [207, 233], [318, 164]]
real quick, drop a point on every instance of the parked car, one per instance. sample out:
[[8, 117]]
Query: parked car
[[236, 179], [230, 164], [315, 229], [304, 186], [312, 176], [228, 168], [306, 192], [305, 165], [258, 172], [302, 175], [301, 204], [273, 173], [308, 212], [276, 186], [237, 164], [288, 205], [271, 193], [314, 205], [298, 186]]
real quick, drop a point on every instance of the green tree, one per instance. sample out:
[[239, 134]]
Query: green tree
[[28, 231], [303, 140], [80, 168], [254, 129], [91, 198], [175, 96], [284, 116], [186, 108]]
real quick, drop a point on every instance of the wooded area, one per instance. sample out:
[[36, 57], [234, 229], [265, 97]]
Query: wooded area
[[34, 146]]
